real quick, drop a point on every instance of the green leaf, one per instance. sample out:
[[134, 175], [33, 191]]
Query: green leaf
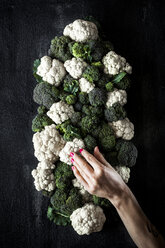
[[119, 77], [35, 66], [58, 218]]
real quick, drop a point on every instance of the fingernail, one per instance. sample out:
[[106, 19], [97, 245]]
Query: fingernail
[[71, 154], [81, 150], [72, 160], [72, 167]]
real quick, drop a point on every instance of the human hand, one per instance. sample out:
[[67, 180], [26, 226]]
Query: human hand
[[97, 176]]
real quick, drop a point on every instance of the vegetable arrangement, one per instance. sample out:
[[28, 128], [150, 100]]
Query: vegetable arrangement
[[81, 89]]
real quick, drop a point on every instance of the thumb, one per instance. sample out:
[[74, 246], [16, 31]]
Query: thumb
[[100, 157]]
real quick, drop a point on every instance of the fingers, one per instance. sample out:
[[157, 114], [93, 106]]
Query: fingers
[[100, 157], [79, 177]]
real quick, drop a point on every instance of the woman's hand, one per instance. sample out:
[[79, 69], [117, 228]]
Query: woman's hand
[[97, 176]]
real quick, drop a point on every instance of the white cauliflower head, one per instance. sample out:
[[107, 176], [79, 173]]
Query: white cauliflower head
[[51, 71], [70, 146], [123, 128], [90, 218], [48, 143], [124, 172], [114, 64], [85, 194], [43, 176], [75, 67], [81, 31], [60, 112], [116, 96], [85, 85]]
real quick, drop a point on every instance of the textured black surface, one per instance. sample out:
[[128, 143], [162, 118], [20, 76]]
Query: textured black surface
[[137, 30]]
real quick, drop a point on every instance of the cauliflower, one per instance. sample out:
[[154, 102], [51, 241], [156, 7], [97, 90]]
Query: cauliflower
[[85, 86], [116, 96], [48, 143], [51, 71], [90, 218], [115, 64], [70, 146], [124, 172], [123, 128], [81, 31], [43, 175], [85, 194], [60, 112], [75, 67]]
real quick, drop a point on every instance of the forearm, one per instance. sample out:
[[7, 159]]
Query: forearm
[[143, 233]]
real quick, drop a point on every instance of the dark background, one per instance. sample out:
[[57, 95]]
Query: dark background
[[137, 30]]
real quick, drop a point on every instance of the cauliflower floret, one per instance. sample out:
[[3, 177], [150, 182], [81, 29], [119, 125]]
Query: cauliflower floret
[[85, 85], [48, 143], [123, 128], [70, 146], [116, 96], [81, 31], [85, 194], [60, 112], [51, 71], [90, 218], [75, 67], [115, 64], [43, 176], [124, 172]]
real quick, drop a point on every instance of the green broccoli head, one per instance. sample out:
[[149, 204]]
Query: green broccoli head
[[42, 110], [78, 106], [83, 98], [88, 123], [71, 99], [127, 153], [101, 83], [115, 113], [40, 121], [106, 137], [91, 73], [91, 110], [59, 48], [121, 81], [109, 86], [76, 118], [57, 218], [90, 143], [80, 50], [45, 94], [71, 85], [97, 97], [69, 132], [102, 202]]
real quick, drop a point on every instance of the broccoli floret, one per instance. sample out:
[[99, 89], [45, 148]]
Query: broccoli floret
[[78, 106], [91, 110], [96, 131], [42, 110], [90, 143], [91, 73], [71, 99], [63, 95], [109, 86], [88, 123], [71, 85], [45, 94], [76, 118], [115, 113], [97, 97], [59, 48], [57, 218], [127, 153], [83, 98], [40, 121], [69, 132], [103, 81], [102, 202], [80, 50], [123, 84], [65, 202], [35, 66], [62, 127], [63, 176], [99, 48], [106, 137]]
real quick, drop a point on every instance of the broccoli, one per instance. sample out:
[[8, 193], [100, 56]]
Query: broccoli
[[71, 85], [70, 132], [40, 121], [65, 202], [57, 218], [42, 110], [115, 113], [71, 99], [88, 123], [83, 98], [103, 202], [63, 95], [78, 106], [59, 48], [109, 86], [62, 127], [101, 83], [91, 73], [122, 81], [45, 94], [80, 50], [127, 153], [35, 66], [106, 137], [63, 176], [76, 118], [97, 97], [91, 110], [90, 143]]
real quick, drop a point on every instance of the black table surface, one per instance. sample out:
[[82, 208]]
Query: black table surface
[[137, 30]]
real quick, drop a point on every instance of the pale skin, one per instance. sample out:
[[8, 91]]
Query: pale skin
[[99, 178]]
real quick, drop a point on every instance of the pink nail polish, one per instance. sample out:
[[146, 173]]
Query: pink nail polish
[[81, 150], [72, 167], [72, 160], [71, 154]]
